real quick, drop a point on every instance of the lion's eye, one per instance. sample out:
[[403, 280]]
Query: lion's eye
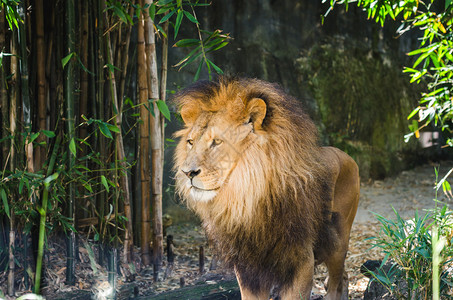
[[190, 142], [216, 142]]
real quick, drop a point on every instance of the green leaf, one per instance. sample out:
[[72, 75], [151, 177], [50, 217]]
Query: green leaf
[[415, 111], [105, 183], [112, 68], [446, 186], [217, 69], [152, 11], [186, 43], [88, 187], [33, 137], [5, 202], [112, 127], [21, 185], [72, 147], [190, 17], [164, 2], [66, 59], [120, 14], [163, 108], [166, 17], [51, 178], [197, 74], [105, 130], [48, 133], [178, 21]]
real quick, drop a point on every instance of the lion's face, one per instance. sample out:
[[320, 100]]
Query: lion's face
[[211, 146]]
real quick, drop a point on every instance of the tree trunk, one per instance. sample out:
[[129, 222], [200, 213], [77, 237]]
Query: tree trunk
[[156, 142], [144, 142], [69, 100], [41, 79]]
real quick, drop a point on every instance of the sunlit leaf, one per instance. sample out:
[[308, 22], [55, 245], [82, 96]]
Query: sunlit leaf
[[66, 59]]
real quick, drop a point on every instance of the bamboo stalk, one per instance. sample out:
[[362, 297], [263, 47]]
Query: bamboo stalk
[[144, 142], [3, 93], [83, 102], [26, 107], [69, 100], [12, 128], [42, 222], [163, 80], [102, 144], [128, 239], [41, 80], [156, 142], [125, 53]]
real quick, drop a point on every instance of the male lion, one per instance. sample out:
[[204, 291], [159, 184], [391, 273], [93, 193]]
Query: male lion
[[272, 201]]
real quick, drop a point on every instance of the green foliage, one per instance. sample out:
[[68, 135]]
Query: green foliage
[[433, 58], [175, 12], [11, 14], [409, 248]]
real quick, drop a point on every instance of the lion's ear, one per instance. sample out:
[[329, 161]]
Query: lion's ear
[[256, 109], [189, 113]]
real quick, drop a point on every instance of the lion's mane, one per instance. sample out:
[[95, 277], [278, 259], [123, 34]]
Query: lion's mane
[[274, 208]]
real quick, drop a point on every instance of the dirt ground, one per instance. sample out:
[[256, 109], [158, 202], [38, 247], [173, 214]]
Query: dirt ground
[[409, 191]]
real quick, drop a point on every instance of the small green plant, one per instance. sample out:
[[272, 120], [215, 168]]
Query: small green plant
[[407, 268]]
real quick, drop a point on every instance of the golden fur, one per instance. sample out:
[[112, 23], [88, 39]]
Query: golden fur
[[272, 201]]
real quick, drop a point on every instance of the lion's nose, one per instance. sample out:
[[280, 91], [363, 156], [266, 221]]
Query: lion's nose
[[192, 173]]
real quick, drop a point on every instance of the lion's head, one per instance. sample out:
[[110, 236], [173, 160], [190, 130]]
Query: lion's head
[[241, 136]]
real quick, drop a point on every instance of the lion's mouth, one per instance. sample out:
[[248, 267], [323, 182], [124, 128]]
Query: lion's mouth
[[205, 190], [202, 195]]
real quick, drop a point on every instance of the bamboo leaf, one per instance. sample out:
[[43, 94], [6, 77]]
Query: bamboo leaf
[[413, 113], [105, 183], [5, 203], [112, 127], [33, 137], [51, 178], [163, 108], [197, 74], [190, 17], [166, 17], [178, 21], [164, 2], [152, 11], [72, 147], [188, 56], [48, 133], [66, 59], [186, 43], [216, 68], [105, 130]]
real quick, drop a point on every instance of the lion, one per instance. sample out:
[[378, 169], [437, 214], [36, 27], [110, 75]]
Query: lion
[[272, 201]]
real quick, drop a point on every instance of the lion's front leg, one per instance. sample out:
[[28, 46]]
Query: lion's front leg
[[302, 284], [247, 294]]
